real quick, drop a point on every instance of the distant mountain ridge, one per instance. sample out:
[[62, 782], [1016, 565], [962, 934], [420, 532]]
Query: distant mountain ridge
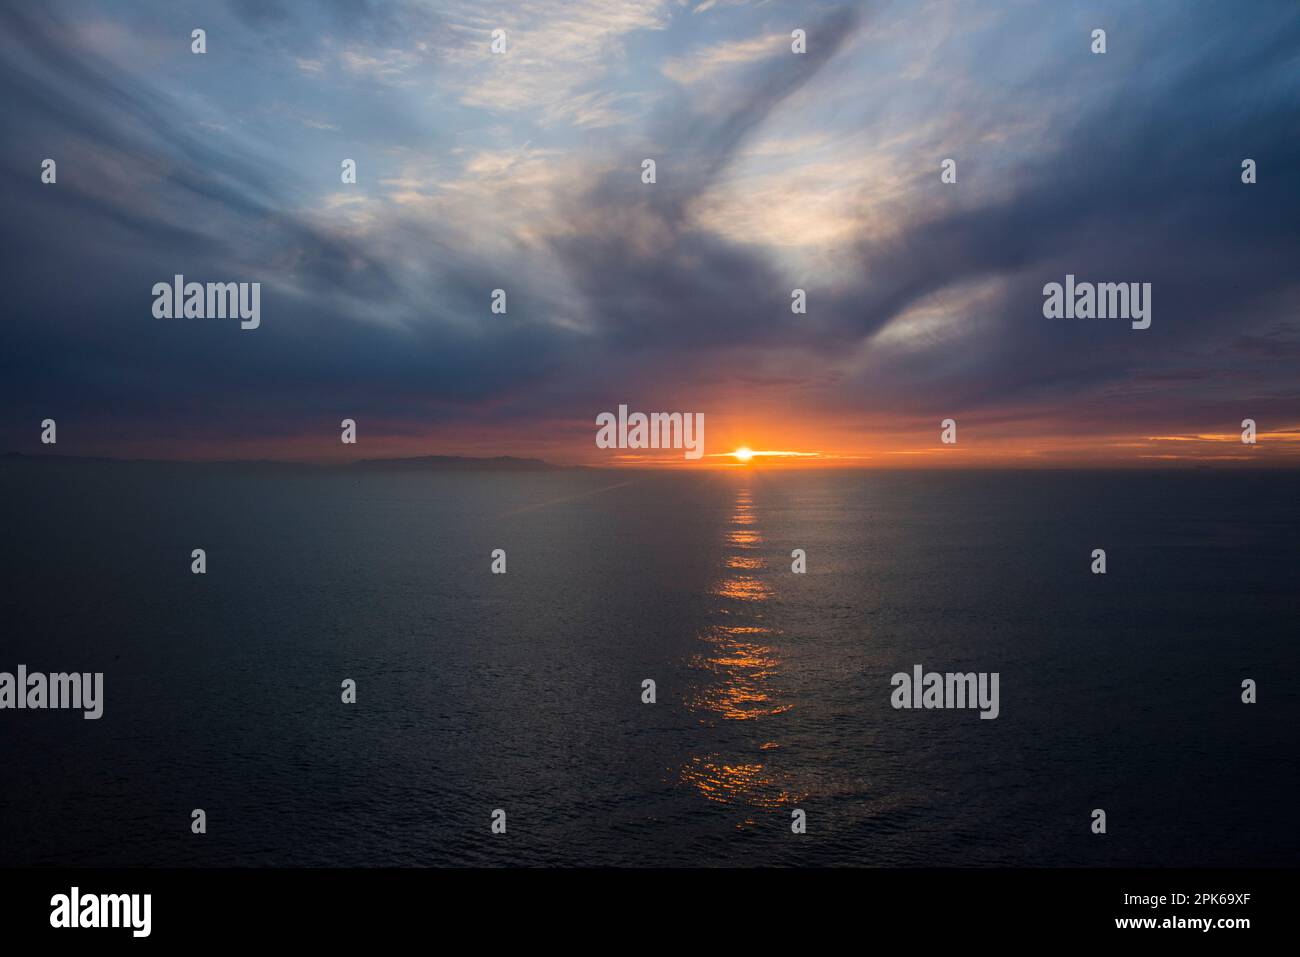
[[501, 463]]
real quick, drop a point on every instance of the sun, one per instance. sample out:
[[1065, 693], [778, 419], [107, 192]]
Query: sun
[[744, 453]]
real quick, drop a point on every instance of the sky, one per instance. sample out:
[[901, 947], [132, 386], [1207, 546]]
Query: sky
[[522, 171]]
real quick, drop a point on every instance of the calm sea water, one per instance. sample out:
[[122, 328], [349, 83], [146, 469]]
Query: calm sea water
[[523, 691]]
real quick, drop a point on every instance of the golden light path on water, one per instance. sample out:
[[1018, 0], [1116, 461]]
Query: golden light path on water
[[739, 665]]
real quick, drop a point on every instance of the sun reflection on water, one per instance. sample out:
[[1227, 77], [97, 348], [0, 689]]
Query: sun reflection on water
[[741, 668], [742, 588], [725, 783], [739, 665]]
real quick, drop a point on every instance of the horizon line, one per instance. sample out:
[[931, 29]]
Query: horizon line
[[1164, 465]]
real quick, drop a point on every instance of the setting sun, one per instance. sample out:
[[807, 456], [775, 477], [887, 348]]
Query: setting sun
[[744, 453]]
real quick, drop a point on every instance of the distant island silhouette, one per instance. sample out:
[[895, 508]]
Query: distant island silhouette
[[501, 463]]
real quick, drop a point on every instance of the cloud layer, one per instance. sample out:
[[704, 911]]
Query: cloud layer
[[774, 171]]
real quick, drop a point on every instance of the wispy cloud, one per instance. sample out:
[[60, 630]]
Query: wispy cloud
[[706, 64], [554, 52], [522, 171]]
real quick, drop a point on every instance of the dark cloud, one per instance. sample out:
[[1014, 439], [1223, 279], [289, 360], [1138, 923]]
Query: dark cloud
[[1138, 181]]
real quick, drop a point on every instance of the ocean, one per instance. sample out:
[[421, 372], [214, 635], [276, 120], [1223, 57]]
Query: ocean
[[523, 691]]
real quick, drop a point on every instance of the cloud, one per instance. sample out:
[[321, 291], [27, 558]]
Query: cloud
[[554, 52], [774, 170], [704, 65]]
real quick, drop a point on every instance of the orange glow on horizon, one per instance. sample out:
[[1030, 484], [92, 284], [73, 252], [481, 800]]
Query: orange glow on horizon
[[1029, 444], [763, 438]]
